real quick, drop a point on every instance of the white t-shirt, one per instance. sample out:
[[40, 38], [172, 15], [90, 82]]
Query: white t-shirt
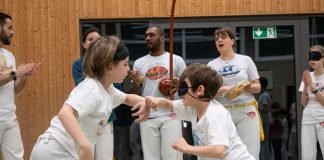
[[94, 105], [240, 68], [314, 111], [214, 128], [155, 69], [7, 91]]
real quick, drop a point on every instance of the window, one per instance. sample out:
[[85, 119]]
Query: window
[[195, 44], [316, 30], [280, 48], [132, 33]]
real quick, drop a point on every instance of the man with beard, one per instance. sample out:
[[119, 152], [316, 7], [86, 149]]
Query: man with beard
[[162, 129], [12, 81]]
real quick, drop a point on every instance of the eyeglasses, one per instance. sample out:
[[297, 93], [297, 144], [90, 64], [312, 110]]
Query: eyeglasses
[[183, 89], [217, 37], [314, 56]]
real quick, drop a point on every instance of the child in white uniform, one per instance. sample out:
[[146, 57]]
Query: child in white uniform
[[312, 99], [83, 117], [214, 132]]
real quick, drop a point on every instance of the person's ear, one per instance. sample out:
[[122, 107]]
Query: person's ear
[[110, 66], [162, 38], [201, 91], [84, 45]]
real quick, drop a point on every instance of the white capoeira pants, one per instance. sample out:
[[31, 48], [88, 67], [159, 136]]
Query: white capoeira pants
[[158, 135], [11, 142], [248, 127], [47, 147], [311, 134]]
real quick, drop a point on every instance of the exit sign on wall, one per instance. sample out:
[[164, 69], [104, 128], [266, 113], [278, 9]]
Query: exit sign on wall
[[264, 32]]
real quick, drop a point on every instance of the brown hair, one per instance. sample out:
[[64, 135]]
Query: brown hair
[[201, 74], [101, 53], [4, 17], [225, 31], [85, 35], [318, 48]]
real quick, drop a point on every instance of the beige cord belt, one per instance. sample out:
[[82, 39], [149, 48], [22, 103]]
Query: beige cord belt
[[251, 103]]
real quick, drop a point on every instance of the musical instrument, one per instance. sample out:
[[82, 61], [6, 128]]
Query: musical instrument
[[164, 88], [237, 89]]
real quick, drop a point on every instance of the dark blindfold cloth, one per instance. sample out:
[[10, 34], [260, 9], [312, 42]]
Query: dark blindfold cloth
[[314, 56], [183, 89]]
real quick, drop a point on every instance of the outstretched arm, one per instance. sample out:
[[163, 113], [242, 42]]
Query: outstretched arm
[[150, 102], [138, 102], [154, 102]]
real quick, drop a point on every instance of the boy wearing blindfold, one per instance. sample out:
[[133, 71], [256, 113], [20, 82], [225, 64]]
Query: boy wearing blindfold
[[312, 98], [214, 132]]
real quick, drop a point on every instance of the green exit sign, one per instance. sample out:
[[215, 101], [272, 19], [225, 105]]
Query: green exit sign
[[264, 32]]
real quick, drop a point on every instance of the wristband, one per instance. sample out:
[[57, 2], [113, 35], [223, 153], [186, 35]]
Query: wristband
[[13, 75]]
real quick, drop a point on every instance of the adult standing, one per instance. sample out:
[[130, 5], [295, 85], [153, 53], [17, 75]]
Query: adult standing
[[162, 129], [12, 81], [90, 35], [265, 113], [312, 98], [235, 68]]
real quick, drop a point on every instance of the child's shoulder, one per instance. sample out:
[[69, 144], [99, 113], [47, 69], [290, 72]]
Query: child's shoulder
[[88, 84], [217, 109]]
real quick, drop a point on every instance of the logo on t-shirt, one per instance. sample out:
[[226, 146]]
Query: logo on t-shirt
[[196, 139], [229, 71], [156, 72], [4, 68]]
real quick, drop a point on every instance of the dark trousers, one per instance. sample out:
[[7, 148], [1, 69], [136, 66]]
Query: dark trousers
[[276, 146], [121, 143]]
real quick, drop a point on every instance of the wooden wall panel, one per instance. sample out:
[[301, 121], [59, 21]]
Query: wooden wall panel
[[47, 31]]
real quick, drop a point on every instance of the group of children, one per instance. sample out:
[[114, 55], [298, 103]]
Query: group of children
[[82, 120], [83, 117], [222, 128]]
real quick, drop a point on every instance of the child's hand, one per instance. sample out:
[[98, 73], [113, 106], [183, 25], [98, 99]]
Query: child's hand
[[181, 145], [173, 86], [142, 113], [307, 79], [86, 151], [151, 102]]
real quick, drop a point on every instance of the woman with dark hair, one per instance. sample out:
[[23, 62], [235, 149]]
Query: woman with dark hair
[[235, 68], [90, 35]]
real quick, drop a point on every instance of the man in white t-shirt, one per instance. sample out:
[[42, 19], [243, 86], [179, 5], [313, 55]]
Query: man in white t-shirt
[[12, 81], [162, 129]]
